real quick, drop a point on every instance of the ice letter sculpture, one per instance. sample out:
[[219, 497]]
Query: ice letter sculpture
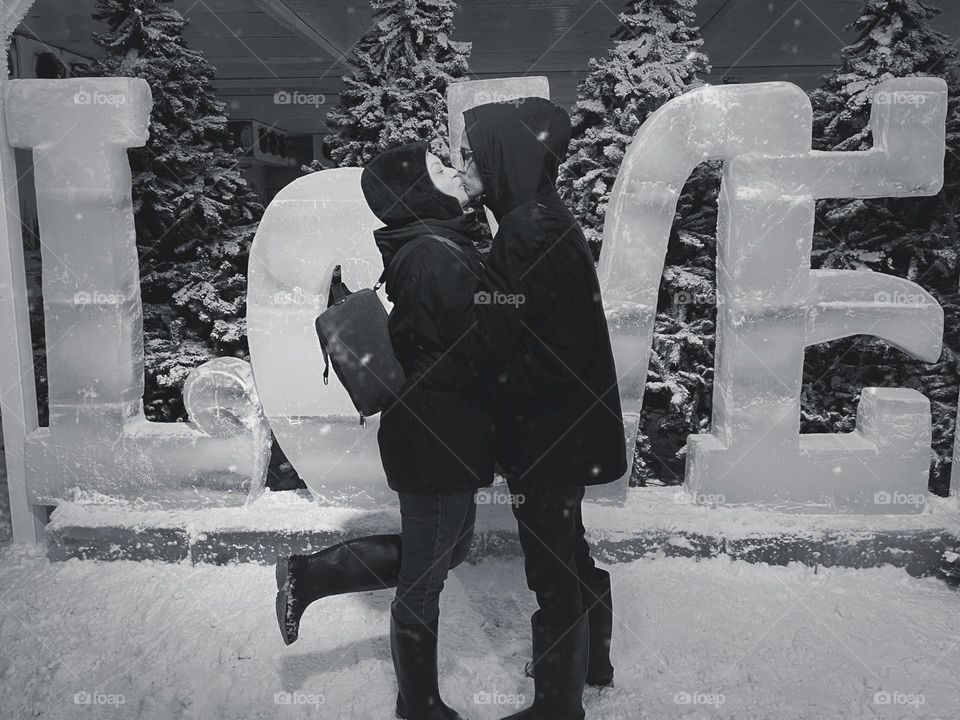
[[99, 439], [315, 223], [771, 305]]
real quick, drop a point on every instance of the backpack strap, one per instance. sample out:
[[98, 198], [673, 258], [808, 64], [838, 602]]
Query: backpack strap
[[447, 241], [381, 279], [338, 291], [455, 246]]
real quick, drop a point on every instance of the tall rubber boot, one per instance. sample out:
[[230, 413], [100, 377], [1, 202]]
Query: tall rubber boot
[[366, 563], [414, 650], [599, 600], [560, 671]]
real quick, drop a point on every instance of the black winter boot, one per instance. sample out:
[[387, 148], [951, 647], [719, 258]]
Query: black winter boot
[[366, 563], [414, 650], [560, 663], [599, 602]]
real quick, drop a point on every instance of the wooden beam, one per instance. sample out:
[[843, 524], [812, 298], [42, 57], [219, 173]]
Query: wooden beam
[[283, 14], [716, 21]]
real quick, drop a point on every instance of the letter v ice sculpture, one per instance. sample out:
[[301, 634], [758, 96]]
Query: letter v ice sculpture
[[771, 305]]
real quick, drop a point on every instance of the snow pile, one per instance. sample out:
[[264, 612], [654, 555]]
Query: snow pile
[[715, 639]]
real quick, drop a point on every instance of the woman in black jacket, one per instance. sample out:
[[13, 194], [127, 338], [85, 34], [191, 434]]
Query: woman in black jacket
[[436, 439]]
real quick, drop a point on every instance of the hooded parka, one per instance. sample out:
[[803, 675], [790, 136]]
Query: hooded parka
[[557, 405], [437, 436]]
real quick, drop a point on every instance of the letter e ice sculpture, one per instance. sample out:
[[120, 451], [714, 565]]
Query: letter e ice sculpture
[[771, 305]]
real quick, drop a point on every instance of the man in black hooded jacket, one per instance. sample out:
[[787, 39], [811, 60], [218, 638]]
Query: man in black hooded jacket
[[558, 423]]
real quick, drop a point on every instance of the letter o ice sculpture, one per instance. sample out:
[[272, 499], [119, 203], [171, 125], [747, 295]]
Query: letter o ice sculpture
[[98, 439], [313, 224], [771, 305]]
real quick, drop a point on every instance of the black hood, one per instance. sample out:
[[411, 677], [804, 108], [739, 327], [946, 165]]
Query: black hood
[[462, 229], [399, 191], [518, 146]]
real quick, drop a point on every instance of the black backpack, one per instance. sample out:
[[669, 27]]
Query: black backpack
[[354, 338]]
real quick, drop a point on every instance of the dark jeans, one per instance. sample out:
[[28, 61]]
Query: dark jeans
[[557, 557], [437, 529]]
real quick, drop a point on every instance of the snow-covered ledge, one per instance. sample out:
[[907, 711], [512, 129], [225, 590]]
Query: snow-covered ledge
[[655, 520]]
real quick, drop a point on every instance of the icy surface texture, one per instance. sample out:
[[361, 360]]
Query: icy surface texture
[[770, 304], [98, 439], [313, 224], [221, 399]]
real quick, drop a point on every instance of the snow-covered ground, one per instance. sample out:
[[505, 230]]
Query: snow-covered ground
[[709, 639]]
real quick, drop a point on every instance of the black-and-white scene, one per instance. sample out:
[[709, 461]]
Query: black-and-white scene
[[480, 359]]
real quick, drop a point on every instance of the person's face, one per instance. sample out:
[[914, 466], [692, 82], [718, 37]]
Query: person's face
[[446, 179], [470, 175]]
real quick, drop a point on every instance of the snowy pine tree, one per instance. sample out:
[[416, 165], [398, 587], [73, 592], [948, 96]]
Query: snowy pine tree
[[679, 392], [656, 57], [397, 94], [913, 238], [195, 214]]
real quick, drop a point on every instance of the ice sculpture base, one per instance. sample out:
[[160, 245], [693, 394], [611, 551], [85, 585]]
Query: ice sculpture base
[[147, 463], [343, 468], [654, 522], [879, 468]]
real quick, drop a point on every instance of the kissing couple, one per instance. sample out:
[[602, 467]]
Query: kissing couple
[[508, 366]]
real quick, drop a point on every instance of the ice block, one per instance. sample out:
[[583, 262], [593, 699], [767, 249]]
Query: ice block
[[315, 223], [771, 305], [98, 439]]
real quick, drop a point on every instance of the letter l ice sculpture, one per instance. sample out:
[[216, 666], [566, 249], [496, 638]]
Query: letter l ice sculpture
[[98, 438], [771, 305]]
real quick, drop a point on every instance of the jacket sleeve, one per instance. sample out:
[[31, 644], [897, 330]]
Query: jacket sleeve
[[488, 329]]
